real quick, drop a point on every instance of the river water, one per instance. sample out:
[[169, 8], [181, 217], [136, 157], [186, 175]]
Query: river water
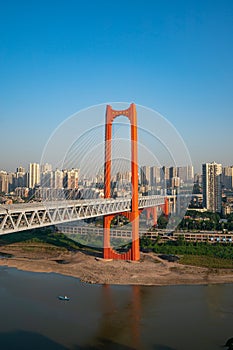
[[110, 317]]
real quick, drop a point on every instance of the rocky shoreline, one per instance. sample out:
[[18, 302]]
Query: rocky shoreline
[[150, 270]]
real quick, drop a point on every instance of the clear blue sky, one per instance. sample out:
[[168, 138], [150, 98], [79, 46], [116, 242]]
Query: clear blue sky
[[57, 57]]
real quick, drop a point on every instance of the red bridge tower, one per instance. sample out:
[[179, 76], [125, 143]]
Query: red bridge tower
[[133, 215]]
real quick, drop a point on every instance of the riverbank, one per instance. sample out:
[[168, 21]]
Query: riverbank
[[150, 270]]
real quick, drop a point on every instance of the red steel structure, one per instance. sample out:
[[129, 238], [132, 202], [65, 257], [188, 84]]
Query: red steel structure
[[133, 215], [152, 212]]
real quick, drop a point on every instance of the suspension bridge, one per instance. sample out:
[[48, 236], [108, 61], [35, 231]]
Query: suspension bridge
[[19, 217]]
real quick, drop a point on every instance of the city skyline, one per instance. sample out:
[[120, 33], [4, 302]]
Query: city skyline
[[212, 191], [26, 168], [36, 175], [173, 57]]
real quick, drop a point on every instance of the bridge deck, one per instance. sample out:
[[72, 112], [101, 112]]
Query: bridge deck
[[25, 216]]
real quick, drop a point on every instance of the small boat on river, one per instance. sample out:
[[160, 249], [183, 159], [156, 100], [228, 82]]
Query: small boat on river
[[61, 297]]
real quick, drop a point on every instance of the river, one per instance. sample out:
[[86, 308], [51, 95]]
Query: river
[[110, 317]]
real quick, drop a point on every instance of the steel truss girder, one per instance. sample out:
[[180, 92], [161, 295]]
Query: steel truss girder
[[20, 217]]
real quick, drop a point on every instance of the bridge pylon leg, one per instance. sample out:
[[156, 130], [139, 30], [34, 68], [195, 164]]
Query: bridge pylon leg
[[131, 114], [166, 207], [106, 243], [151, 211], [135, 250], [154, 213]]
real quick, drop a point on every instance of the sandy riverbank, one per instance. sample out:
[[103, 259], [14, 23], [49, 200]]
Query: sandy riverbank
[[151, 270]]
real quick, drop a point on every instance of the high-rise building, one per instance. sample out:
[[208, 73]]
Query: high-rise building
[[4, 183], [198, 178], [46, 168], [20, 179], [145, 175], [175, 182], [172, 172], [58, 179], [212, 186], [127, 176], [186, 173], [123, 177], [165, 176], [154, 175], [172, 175], [46, 179], [190, 173], [227, 177], [46, 176], [70, 179], [34, 175], [20, 169], [119, 177], [11, 181]]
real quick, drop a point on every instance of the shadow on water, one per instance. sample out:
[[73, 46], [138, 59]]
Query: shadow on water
[[103, 344], [162, 347], [22, 340], [122, 321], [110, 345]]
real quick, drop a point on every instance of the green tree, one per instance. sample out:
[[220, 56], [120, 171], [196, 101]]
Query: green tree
[[162, 221]]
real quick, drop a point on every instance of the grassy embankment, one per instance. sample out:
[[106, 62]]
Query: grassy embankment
[[39, 240], [48, 241], [194, 253], [207, 261]]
